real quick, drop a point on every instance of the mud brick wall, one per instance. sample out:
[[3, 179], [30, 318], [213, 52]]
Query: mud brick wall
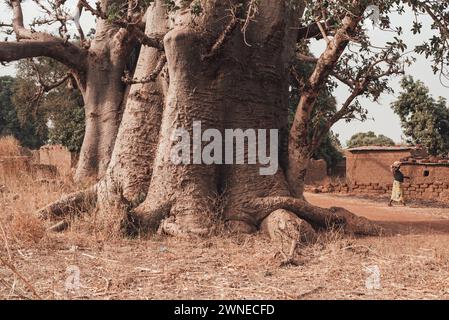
[[317, 172], [373, 166], [438, 191], [427, 182], [368, 173]]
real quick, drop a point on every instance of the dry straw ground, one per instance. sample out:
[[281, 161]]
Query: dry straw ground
[[37, 264]]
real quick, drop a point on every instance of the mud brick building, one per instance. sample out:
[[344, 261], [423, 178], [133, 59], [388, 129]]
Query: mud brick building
[[368, 172]]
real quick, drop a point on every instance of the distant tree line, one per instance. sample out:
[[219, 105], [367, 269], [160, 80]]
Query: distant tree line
[[369, 139], [424, 119], [37, 109]]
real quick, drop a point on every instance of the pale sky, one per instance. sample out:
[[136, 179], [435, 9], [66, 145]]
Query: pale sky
[[385, 121]]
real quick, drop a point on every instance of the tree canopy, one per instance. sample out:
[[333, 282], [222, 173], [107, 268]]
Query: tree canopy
[[369, 139], [44, 91], [37, 109], [12, 122], [424, 119]]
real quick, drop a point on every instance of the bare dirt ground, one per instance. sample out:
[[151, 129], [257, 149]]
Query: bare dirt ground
[[412, 264], [409, 219]]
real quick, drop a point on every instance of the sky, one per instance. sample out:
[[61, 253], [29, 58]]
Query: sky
[[384, 120]]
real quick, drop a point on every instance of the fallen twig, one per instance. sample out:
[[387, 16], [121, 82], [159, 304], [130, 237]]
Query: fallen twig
[[25, 281]]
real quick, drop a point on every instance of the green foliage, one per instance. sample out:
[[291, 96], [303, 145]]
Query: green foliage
[[62, 107], [425, 121], [196, 8], [31, 132], [113, 12], [330, 151], [171, 5], [436, 47], [369, 139], [67, 123]]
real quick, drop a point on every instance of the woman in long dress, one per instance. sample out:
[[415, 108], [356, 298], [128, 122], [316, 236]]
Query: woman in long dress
[[397, 193]]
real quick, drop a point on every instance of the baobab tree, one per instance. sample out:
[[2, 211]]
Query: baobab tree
[[97, 64], [229, 72], [226, 64]]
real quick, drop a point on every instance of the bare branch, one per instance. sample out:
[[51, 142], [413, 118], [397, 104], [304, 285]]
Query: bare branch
[[348, 82], [152, 77], [35, 44], [224, 36], [132, 24], [302, 57], [66, 53], [323, 31]]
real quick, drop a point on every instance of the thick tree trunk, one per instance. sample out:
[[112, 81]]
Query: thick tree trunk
[[179, 199], [128, 176], [224, 78], [259, 100], [103, 92]]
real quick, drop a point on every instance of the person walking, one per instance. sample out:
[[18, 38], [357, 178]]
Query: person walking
[[397, 193]]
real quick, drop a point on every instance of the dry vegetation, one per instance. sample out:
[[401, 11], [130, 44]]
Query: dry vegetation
[[36, 263], [9, 147]]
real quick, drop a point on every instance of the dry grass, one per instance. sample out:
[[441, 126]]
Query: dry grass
[[9, 147], [224, 267]]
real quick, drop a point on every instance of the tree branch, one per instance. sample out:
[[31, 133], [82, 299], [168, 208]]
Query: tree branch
[[224, 36], [303, 57], [313, 30], [152, 77], [34, 44], [66, 53], [134, 27]]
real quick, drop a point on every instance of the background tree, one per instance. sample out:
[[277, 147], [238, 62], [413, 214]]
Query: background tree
[[43, 90], [424, 120], [369, 138], [349, 58], [67, 124], [97, 64], [31, 132], [329, 148]]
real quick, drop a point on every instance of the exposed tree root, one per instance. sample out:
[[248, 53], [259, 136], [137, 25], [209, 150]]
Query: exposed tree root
[[265, 213], [174, 218], [70, 204], [288, 233], [319, 218]]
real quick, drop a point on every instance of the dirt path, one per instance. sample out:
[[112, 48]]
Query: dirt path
[[410, 219]]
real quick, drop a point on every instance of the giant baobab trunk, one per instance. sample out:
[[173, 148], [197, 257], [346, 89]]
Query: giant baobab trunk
[[129, 172], [226, 74], [104, 94]]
